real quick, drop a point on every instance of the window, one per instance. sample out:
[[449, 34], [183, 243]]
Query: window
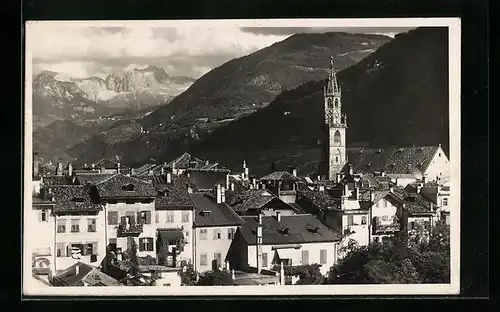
[[170, 217], [203, 259], [61, 226], [336, 103], [427, 225], [264, 260], [75, 226], [217, 234], [412, 225], [113, 217], [130, 201], [91, 249], [186, 238], [336, 137], [230, 233], [376, 239], [60, 250], [146, 244], [144, 217], [44, 215], [185, 216], [203, 234], [336, 159], [129, 187], [322, 256], [445, 202], [330, 103], [305, 257], [350, 220], [218, 259], [385, 203], [363, 219], [92, 225]]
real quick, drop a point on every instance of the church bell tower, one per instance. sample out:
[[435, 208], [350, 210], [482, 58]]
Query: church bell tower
[[336, 125]]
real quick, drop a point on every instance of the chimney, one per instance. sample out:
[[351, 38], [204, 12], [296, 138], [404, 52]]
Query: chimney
[[243, 175], [77, 269], [244, 165], [227, 180], [321, 187], [260, 218], [294, 172], [351, 171], [218, 194], [35, 165], [118, 168], [346, 189], [93, 166], [227, 265], [223, 194], [70, 169], [259, 248], [246, 174], [190, 190], [254, 182], [59, 169], [339, 178], [372, 196], [169, 177], [278, 216], [174, 171], [319, 178], [382, 173], [232, 186], [207, 163], [357, 193], [282, 273], [232, 275], [162, 170]]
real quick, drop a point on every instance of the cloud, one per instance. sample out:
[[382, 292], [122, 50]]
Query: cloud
[[297, 30], [176, 48]]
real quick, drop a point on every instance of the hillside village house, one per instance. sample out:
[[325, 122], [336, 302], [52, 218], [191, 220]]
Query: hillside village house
[[80, 225], [403, 165], [266, 242], [174, 215], [258, 201], [130, 208], [386, 215], [214, 226], [283, 184]]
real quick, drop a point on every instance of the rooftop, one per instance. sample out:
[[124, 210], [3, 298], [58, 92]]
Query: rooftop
[[280, 176], [209, 213], [393, 160], [304, 228], [75, 198], [122, 186], [320, 199]]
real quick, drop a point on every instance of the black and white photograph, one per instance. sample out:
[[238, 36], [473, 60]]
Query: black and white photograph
[[271, 157]]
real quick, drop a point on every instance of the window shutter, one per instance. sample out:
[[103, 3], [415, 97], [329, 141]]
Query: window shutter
[[148, 217], [150, 244], [123, 220], [139, 217], [141, 244], [94, 248], [68, 250]]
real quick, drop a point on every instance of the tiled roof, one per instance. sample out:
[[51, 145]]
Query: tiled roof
[[92, 178], [413, 202], [239, 184], [144, 168], [280, 176], [52, 180], [176, 197], [376, 182], [318, 198], [298, 208], [254, 199], [39, 201], [207, 179], [75, 198], [392, 160], [219, 214], [120, 185], [69, 277], [297, 226], [108, 164]]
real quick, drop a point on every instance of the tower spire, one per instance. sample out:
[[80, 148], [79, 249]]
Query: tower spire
[[333, 86]]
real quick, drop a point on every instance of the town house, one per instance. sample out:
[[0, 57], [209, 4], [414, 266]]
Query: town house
[[214, 226], [79, 225], [42, 215], [267, 242], [386, 215], [174, 215], [130, 208], [282, 184]]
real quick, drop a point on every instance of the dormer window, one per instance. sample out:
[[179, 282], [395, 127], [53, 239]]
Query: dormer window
[[205, 212], [283, 229], [312, 228], [78, 199], [128, 187]]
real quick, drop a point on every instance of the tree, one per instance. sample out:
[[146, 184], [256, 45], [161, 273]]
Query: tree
[[308, 274], [399, 259], [188, 276], [216, 278]]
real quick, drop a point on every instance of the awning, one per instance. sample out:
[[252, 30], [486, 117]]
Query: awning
[[287, 253], [171, 236]]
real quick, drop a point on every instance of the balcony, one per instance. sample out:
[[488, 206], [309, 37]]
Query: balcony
[[381, 227], [126, 229]]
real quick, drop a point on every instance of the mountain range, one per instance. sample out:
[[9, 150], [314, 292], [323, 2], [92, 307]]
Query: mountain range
[[61, 97], [237, 88], [395, 93]]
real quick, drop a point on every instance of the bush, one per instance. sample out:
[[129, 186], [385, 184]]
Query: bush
[[216, 278]]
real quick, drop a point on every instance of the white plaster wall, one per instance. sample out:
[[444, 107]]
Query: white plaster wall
[[438, 167], [211, 246], [160, 218]]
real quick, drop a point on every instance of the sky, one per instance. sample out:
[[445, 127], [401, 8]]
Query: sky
[[80, 50]]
